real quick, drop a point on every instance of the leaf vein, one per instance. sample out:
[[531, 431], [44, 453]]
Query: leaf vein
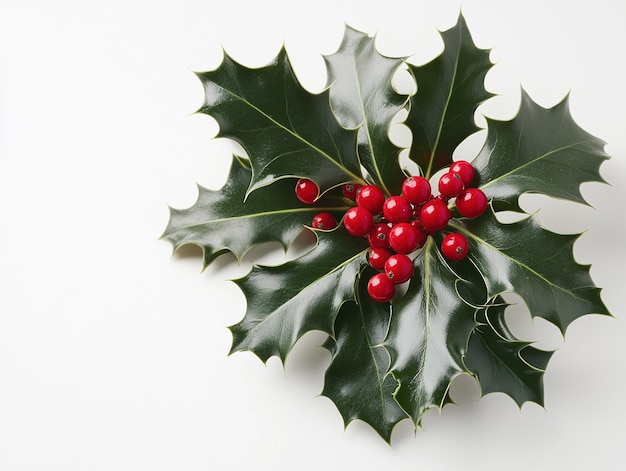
[[517, 262], [338, 162]]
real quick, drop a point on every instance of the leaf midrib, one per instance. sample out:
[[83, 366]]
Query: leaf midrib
[[293, 133], [277, 310], [445, 110], [515, 261], [379, 377], [531, 162], [426, 253], [264, 213], [357, 79]]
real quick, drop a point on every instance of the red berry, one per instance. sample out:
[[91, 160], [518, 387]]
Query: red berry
[[465, 170], [472, 202], [381, 288], [422, 236], [399, 268], [450, 184], [404, 238], [454, 246], [397, 209], [416, 189], [378, 237], [349, 190], [417, 223], [377, 258], [434, 215], [358, 221], [306, 190], [324, 221], [371, 198]]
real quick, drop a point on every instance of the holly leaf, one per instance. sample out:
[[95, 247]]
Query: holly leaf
[[541, 150], [356, 379], [449, 89], [537, 264], [502, 363], [286, 301], [362, 96], [428, 335], [286, 131], [220, 221]]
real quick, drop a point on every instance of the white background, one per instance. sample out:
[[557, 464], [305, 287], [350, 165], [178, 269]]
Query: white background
[[113, 354]]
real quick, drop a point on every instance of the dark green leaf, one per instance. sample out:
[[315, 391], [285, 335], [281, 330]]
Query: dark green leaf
[[287, 131], [428, 335], [362, 96], [540, 150], [357, 380], [449, 89], [537, 264], [286, 301], [219, 221], [502, 363]]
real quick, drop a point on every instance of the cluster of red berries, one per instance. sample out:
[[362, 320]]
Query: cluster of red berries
[[397, 226]]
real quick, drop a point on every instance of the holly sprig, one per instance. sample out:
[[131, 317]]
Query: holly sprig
[[394, 358]]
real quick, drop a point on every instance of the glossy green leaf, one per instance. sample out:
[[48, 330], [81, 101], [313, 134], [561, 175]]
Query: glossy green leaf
[[286, 301], [356, 379], [449, 88], [362, 96], [220, 221], [286, 131], [535, 263], [502, 363], [540, 150], [428, 335]]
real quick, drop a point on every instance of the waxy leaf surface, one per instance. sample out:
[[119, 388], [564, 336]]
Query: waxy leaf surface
[[286, 301], [286, 131], [502, 363], [537, 264], [541, 151], [362, 96], [357, 380], [449, 88], [220, 221], [428, 334]]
